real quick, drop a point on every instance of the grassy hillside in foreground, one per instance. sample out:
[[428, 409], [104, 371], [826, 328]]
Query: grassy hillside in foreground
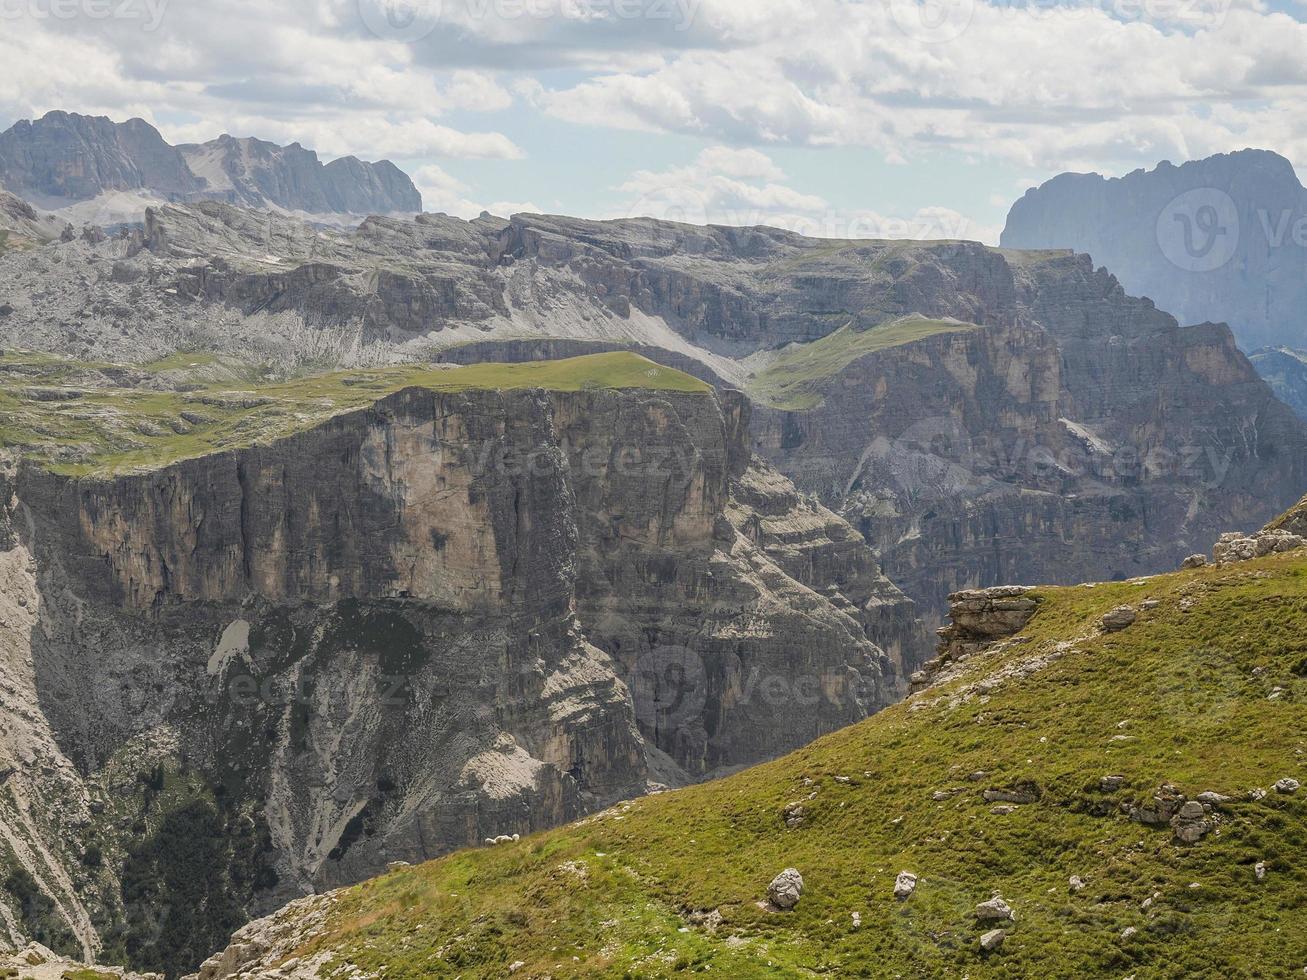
[[1206, 691], [76, 419], [794, 379]]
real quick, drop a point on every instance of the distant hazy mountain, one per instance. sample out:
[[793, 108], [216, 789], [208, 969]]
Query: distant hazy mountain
[[21, 225], [1285, 370], [1222, 239], [90, 168]]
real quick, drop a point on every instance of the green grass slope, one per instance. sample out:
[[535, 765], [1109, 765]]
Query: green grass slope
[[73, 417], [1206, 691], [794, 379]]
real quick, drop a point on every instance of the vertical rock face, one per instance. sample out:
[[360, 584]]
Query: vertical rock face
[[981, 456], [256, 173], [75, 157], [446, 617], [1048, 427], [65, 157], [1285, 370], [1213, 239]]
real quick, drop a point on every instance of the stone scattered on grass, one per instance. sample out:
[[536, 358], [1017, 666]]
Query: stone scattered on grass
[[1259, 869], [1194, 561], [1190, 823], [1119, 618], [904, 885], [1076, 883], [992, 940], [1211, 798], [1287, 785], [1110, 784], [1129, 932], [785, 889], [994, 910]]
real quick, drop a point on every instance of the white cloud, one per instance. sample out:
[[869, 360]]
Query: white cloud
[[1046, 87], [442, 191], [745, 188], [281, 72]]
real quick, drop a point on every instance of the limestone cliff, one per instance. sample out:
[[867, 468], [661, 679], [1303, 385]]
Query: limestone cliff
[[981, 415], [444, 617]]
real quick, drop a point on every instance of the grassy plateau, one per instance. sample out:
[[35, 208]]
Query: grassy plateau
[[795, 379], [103, 419]]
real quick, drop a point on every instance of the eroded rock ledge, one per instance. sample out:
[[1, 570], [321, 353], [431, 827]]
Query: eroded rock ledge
[[978, 619]]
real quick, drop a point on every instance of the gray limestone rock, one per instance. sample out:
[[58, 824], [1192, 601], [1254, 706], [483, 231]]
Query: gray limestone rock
[[785, 889]]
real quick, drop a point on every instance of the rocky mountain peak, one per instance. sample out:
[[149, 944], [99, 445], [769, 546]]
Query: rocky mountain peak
[[81, 165], [1221, 238]]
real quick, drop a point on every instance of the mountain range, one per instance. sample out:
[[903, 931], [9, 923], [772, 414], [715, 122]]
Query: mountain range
[[333, 547], [1222, 238], [90, 169]]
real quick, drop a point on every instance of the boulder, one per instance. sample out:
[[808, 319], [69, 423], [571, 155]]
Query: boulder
[[1119, 618], [1275, 542], [994, 910], [1194, 561], [1190, 823], [904, 885], [1287, 785], [1235, 547], [1164, 805], [992, 940], [785, 889]]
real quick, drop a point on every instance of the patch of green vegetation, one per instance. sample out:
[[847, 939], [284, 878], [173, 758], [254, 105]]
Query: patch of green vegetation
[[794, 380], [1186, 695], [50, 411], [1034, 256], [188, 874], [37, 914], [88, 974]]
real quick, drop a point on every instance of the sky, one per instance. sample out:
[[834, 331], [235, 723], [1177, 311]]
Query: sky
[[842, 118]]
